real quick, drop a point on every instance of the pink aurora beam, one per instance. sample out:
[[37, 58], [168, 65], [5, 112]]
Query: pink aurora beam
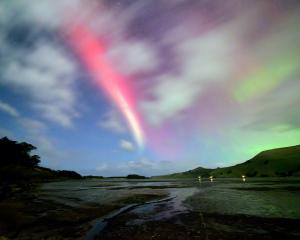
[[92, 53]]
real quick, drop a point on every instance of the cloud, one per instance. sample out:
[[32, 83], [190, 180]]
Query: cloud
[[46, 76], [46, 13], [203, 60], [38, 66], [127, 145], [133, 57], [5, 107], [171, 97], [113, 122], [274, 104], [278, 110]]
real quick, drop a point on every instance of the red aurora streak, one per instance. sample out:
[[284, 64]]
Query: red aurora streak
[[92, 53]]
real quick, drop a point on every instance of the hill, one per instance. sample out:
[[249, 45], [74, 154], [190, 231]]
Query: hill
[[280, 162], [199, 171]]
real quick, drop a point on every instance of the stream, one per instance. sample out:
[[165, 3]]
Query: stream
[[146, 211]]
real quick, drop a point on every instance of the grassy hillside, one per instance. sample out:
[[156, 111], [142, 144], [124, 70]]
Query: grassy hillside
[[280, 162]]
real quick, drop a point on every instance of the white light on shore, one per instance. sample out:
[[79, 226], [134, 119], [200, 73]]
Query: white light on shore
[[244, 178], [199, 179]]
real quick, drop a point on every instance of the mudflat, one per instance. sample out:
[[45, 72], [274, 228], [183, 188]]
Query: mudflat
[[265, 208]]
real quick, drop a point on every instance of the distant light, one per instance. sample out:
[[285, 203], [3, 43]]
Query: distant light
[[199, 179], [244, 178]]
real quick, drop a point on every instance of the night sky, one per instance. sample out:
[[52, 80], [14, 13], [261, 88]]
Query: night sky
[[149, 87]]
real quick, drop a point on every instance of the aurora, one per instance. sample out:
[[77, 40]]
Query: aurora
[[91, 52], [115, 87]]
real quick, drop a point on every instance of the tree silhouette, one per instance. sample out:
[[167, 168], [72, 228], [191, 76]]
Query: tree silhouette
[[20, 170], [17, 166], [14, 153]]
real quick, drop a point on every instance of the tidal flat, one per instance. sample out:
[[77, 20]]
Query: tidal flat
[[260, 208]]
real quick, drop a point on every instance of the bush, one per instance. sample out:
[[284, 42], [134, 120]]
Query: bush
[[68, 174], [135, 176]]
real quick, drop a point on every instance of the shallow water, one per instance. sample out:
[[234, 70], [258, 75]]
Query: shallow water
[[75, 193], [276, 197]]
